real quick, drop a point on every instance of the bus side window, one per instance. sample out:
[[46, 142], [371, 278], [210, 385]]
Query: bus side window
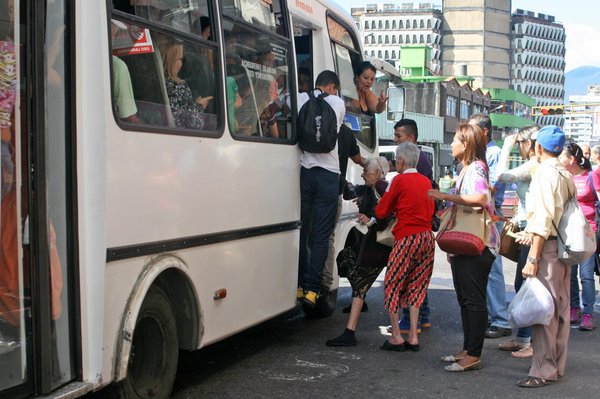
[[257, 72], [177, 14], [145, 72], [189, 111], [173, 81]]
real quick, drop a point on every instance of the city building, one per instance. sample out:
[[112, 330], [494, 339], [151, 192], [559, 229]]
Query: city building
[[386, 27], [510, 111], [582, 117], [538, 60], [476, 34]]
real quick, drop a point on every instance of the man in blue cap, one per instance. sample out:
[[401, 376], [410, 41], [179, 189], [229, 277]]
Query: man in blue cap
[[550, 188]]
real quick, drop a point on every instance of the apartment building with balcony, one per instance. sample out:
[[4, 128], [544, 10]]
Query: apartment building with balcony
[[387, 27], [538, 60]]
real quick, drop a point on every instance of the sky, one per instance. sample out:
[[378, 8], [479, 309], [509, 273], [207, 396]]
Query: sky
[[579, 17]]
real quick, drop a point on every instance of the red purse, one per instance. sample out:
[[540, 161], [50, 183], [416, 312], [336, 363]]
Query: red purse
[[464, 230]]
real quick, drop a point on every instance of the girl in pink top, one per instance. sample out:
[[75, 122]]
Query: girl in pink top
[[579, 166]]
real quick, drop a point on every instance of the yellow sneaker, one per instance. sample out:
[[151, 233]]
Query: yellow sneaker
[[300, 294], [310, 299]]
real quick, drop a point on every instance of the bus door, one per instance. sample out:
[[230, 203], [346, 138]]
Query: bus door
[[36, 332]]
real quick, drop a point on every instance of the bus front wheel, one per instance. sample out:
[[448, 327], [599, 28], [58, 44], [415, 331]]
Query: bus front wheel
[[154, 350]]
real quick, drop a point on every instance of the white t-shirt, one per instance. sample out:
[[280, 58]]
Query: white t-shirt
[[331, 160]]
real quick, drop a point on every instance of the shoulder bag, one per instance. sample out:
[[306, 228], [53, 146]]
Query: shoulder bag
[[386, 236], [464, 230], [576, 239], [509, 248]]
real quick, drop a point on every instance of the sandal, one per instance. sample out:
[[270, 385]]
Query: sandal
[[512, 346], [533, 382], [388, 346], [524, 353]]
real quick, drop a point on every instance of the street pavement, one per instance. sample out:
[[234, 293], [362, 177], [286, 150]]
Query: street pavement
[[287, 358]]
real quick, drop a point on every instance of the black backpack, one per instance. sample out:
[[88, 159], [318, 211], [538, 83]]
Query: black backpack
[[317, 125]]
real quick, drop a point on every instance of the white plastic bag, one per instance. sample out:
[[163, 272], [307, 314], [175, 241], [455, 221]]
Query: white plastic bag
[[533, 304]]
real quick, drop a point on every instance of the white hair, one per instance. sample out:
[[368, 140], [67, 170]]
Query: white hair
[[409, 152], [377, 163]]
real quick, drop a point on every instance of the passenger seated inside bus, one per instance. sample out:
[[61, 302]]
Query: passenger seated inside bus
[[234, 100], [123, 97], [198, 70], [267, 91], [187, 111]]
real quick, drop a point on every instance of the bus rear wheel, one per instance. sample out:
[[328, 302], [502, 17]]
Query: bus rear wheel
[[154, 350]]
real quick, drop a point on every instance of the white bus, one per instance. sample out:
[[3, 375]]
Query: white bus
[[150, 180]]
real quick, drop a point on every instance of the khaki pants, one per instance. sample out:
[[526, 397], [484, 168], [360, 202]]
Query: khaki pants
[[327, 280], [550, 342]]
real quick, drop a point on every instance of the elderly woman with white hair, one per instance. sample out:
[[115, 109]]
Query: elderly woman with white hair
[[373, 256], [410, 264]]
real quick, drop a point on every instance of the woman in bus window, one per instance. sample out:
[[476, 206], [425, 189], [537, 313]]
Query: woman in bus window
[[187, 111], [364, 79]]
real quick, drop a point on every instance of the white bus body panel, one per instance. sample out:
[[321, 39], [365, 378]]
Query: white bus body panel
[[140, 187], [93, 110]]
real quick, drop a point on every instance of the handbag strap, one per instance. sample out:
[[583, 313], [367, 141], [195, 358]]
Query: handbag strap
[[568, 199], [568, 189]]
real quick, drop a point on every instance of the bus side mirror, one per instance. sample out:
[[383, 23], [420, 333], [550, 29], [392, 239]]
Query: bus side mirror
[[395, 103]]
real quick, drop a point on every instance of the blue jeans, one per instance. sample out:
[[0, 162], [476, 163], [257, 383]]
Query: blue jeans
[[588, 289], [424, 311], [319, 189], [496, 291]]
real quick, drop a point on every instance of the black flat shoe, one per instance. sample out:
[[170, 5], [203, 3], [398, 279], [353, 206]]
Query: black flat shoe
[[411, 347], [342, 340], [387, 346]]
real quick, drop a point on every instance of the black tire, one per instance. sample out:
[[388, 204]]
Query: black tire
[[154, 350], [325, 305]]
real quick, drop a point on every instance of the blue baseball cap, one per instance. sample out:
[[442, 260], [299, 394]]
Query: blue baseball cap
[[551, 138]]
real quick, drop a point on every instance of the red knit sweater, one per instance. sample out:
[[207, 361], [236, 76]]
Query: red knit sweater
[[407, 196]]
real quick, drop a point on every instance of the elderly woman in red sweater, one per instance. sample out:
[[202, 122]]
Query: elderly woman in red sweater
[[411, 262]]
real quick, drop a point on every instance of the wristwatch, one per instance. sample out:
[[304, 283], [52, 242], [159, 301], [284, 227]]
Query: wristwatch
[[533, 260]]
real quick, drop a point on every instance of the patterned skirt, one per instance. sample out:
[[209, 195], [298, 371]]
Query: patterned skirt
[[372, 258], [409, 271]]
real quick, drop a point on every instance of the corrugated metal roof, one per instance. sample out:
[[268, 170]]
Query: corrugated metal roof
[[431, 128]]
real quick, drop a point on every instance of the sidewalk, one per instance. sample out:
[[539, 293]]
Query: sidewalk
[[442, 278]]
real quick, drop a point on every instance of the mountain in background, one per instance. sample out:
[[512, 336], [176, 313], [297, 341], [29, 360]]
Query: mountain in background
[[578, 80]]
